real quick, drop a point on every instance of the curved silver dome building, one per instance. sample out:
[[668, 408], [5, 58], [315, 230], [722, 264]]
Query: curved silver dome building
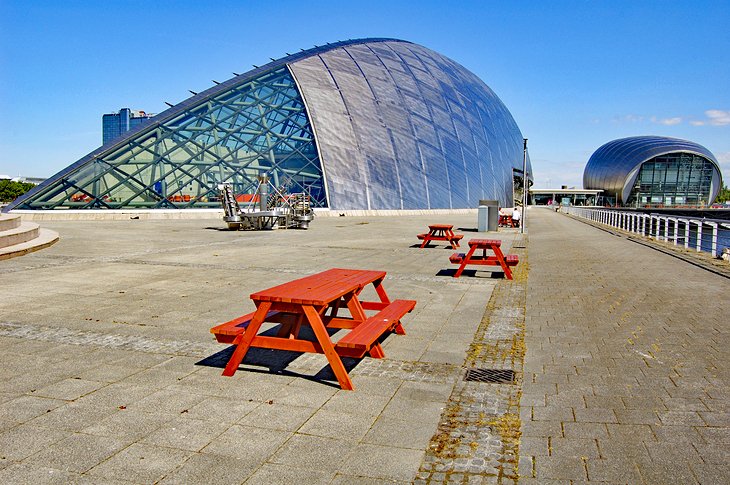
[[642, 171], [361, 124]]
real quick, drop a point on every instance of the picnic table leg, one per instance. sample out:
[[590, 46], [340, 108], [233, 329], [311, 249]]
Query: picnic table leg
[[329, 350], [355, 307], [450, 237], [426, 239], [243, 341], [465, 261], [502, 262], [291, 328], [381, 291], [376, 351], [336, 307]]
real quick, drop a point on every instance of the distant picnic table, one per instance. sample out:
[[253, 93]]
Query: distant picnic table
[[441, 232], [494, 259]]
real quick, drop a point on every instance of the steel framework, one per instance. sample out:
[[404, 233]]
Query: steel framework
[[259, 127]]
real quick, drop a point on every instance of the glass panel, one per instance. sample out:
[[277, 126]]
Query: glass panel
[[257, 128], [673, 180]]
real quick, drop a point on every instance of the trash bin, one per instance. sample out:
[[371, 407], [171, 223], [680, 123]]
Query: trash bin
[[482, 218], [492, 214]]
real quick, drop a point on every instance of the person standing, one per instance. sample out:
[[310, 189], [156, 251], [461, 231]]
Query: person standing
[[516, 216]]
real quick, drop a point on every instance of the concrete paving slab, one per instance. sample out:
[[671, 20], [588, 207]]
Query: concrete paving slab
[[140, 462], [338, 425], [274, 473], [79, 452], [254, 444], [383, 462], [185, 433], [315, 453], [24, 408], [26, 473], [128, 424], [21, 441], [210, 469]]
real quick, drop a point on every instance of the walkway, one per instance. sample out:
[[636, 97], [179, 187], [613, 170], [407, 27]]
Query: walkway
[[626, 371]]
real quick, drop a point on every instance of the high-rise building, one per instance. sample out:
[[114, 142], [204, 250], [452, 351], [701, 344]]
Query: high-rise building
[[116, 124]]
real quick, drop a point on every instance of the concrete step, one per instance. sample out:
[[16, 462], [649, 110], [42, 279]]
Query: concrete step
[[9, 221], [45, 238], [23, 233]]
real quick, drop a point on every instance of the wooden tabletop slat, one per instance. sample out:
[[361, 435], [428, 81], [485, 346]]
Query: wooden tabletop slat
[[485, 242], [321, 288]]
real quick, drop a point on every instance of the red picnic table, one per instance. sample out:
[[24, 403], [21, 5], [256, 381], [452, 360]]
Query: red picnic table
[[441, 232], [316, 301], [506, 220], [497, 259]]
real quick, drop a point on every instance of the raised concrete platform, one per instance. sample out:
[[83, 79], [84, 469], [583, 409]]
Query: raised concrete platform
[[18, 237]]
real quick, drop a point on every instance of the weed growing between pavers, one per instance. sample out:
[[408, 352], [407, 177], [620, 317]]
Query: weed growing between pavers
[[479, 432]]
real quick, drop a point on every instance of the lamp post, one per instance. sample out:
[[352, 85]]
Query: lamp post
[[525, 185]]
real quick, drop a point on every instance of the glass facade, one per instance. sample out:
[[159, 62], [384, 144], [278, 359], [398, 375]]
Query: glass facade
[[672, 180], [360, 124], [258, 127]]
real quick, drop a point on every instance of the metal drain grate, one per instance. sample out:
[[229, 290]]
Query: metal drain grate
[[494, 376]]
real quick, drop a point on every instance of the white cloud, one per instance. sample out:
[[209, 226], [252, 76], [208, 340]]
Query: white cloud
[[715, 117], [718, 117], [667, 121], [671, 121], [631, 118]]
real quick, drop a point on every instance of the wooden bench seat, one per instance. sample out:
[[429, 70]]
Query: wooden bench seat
[[509, 259], [455, 237], [361, 339], [226, 333]]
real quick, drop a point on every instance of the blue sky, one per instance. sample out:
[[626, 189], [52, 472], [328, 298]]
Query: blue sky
[[574, 74]]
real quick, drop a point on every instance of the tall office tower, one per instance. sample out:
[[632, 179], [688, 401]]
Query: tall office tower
[[116, 124]]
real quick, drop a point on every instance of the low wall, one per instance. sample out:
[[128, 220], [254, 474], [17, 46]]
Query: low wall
[[155, 214]]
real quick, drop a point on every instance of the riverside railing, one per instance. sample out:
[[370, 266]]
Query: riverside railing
[[701, 234]]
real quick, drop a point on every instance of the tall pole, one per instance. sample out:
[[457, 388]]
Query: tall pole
[[525, 185]]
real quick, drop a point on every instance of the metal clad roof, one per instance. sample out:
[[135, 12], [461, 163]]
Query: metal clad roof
[[611, 165]]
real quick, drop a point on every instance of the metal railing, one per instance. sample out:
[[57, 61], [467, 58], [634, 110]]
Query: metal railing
[[701, 234]]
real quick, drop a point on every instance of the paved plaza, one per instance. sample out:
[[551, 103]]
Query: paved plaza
[[626, 371], [110, 374]]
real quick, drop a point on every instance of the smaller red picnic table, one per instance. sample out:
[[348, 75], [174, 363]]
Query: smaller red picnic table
[[498, 259], [506, 221], [315, 301], [441, 232]]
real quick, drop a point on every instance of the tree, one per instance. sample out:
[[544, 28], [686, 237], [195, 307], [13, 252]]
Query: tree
[[10, 190], [724, 195]]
